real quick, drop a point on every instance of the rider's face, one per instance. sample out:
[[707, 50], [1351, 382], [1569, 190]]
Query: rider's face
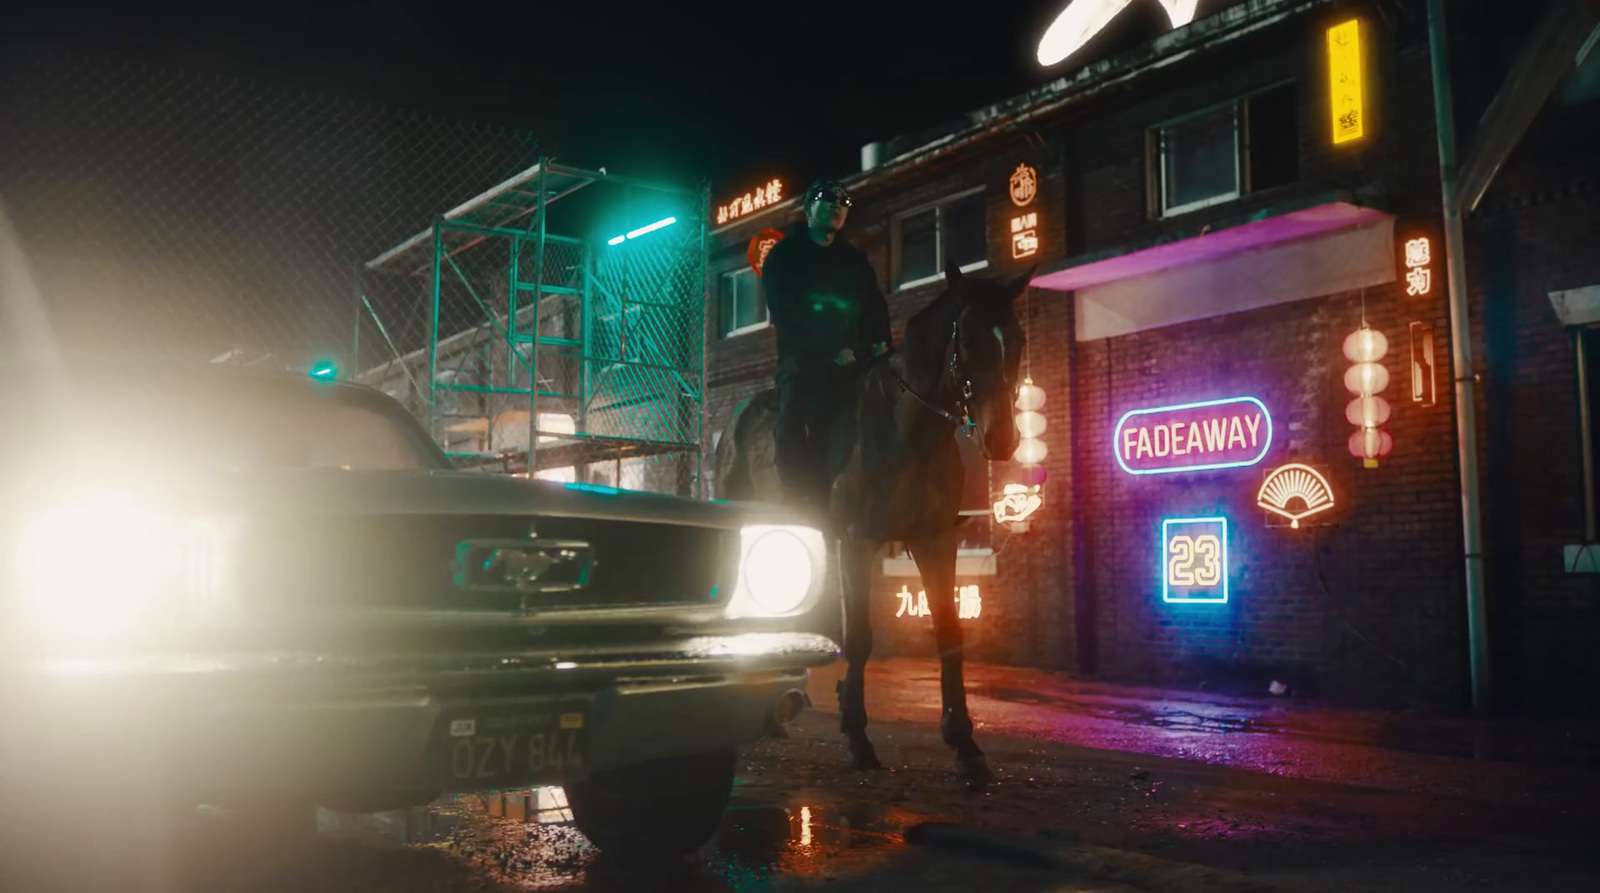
[[827, 212]]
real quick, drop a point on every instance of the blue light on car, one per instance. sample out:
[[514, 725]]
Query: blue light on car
[[594, 488]]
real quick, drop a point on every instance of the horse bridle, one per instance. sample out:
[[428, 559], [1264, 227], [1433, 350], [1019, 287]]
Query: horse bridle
[[964, 423]]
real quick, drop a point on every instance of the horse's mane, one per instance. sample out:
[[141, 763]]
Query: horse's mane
[[925, 331]]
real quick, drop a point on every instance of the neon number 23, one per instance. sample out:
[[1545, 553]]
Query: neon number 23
[[1194, 561]]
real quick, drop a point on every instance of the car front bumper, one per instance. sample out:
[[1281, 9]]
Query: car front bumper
[[341, 728]]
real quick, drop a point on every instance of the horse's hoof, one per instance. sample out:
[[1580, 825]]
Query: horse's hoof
[[974, 769], [864, 756]]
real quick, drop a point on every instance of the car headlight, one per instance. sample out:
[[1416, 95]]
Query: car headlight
[[97, 565], [782, 570]]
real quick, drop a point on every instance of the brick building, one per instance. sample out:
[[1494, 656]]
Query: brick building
[[1207, 228]]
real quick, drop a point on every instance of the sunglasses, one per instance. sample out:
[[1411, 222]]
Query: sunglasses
[[833, 199]]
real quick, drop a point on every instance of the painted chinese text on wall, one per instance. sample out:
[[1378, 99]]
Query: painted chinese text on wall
[[969, 604], [750, 202], [1227, 433]]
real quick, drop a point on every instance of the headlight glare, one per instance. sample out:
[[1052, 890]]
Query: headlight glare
[[781, 571], [98, 566]]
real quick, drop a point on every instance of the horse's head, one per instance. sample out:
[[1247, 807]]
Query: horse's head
[[988, 353]]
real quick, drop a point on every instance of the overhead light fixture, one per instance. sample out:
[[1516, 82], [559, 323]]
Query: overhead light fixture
[[1083, 19]]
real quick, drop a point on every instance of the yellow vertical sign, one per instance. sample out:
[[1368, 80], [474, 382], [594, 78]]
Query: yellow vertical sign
[[1344, 82]]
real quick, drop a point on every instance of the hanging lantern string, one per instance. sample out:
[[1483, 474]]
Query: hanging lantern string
[[1027, 330]]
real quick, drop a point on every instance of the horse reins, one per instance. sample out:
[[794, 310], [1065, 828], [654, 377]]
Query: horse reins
[[964, 423]]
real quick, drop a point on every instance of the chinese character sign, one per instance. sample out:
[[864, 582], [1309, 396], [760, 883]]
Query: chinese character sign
[[969, 603], [1346, 100], [1419, 277], [769, 194], [1024, 235], [1024, 185], [1194, 560]]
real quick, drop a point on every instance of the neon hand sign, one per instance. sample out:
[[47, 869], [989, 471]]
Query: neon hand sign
[[1228, 433], [1017, 504], [1083, 19]]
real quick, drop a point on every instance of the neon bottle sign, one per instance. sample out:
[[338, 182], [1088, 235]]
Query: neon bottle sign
[[1230, 433]]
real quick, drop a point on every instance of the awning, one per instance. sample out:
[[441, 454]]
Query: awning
[[1319, 250]]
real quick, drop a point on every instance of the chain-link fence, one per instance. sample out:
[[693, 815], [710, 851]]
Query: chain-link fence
[[164, 211], [191, 216]]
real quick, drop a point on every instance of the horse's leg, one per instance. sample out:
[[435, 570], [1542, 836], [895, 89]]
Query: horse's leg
[[855, 564], [936, 563]]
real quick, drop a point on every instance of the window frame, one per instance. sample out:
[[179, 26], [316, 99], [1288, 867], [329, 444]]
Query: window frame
[[938, 205], [1156, 147], [1237, 105], [1584, 375], [766, 316]]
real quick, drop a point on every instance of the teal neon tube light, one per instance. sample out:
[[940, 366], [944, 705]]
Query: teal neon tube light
[[648, 228], [652, 227]]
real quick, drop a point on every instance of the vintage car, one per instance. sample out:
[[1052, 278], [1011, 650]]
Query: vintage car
[[251, 589]]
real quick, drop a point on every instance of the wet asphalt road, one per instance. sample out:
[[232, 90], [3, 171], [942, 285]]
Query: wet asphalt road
[[1102, 789]]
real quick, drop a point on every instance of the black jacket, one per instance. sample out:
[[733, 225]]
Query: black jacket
[[823, 299]]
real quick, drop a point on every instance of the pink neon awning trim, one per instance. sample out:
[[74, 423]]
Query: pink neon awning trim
[[1210, 246]]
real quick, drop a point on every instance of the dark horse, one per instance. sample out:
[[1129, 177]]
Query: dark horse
[[897, 476]]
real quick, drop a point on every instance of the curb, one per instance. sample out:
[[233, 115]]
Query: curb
[[1121, 866]]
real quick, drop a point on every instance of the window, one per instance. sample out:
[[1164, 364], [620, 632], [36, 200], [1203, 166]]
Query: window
[[1227, 151], [954, 230], [740, 306]]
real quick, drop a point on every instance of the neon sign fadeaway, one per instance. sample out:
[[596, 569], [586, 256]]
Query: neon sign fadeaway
[[1228, 433]]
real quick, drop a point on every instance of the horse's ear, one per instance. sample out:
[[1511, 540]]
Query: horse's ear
[[1017, 285], [952, 273]]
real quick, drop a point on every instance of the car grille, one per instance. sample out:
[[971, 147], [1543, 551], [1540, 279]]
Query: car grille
[[409, 562]]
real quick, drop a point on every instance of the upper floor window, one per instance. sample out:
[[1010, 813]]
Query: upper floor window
[[740, 306], [1224, 152], [955, 229]]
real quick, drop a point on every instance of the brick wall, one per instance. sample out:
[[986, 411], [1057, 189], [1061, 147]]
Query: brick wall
[[1537, 232]]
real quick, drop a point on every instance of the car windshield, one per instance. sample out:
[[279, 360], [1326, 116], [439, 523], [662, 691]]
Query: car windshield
[[223, 422]]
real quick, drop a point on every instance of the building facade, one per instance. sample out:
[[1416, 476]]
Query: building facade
[[1220, 219]]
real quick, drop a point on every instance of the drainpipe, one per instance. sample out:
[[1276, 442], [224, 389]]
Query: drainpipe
[[1461, 350]]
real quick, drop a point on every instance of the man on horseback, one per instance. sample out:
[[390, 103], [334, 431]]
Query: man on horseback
[[824, 301]]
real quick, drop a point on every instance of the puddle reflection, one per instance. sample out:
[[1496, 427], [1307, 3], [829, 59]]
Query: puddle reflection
[[527, 836]]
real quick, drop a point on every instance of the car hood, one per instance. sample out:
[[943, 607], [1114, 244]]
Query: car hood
[[461, 493]]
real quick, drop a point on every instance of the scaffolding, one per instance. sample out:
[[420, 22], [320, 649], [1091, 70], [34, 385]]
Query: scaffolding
[[530, 350]]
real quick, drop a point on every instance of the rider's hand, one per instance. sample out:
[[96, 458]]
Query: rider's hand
[[880, 349], [845, 357]]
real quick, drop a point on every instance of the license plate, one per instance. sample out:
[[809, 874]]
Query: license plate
[[513, 745]]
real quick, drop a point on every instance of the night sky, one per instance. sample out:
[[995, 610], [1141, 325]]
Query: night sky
[[733, 92]]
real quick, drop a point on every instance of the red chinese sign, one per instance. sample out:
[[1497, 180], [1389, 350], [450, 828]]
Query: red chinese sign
[[1228, 433], [760, 246]]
